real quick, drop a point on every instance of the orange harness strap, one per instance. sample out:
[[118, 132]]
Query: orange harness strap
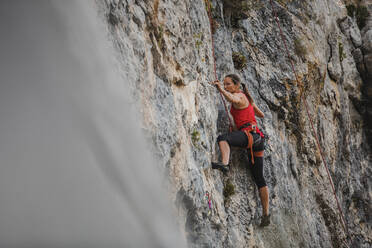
[[258, 154], [250, 143]]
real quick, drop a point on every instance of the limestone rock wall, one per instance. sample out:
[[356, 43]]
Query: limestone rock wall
[[164, 46]]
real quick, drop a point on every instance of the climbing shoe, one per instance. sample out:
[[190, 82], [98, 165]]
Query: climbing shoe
[[265, 220], [220, 166]]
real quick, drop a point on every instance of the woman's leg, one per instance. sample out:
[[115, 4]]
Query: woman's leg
[[264, 196], [225, 151], [257, 172], [263, 190], [236, 139]]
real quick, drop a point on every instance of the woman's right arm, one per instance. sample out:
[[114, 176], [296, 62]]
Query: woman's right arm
[[237, 99]]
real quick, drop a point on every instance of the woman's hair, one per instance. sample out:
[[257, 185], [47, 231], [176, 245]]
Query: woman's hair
[[236, 80]]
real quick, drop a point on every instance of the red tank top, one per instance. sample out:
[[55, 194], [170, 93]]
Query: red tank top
[[243, 116]]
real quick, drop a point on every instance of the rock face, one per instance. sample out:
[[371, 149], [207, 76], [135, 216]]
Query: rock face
[[164, 47]]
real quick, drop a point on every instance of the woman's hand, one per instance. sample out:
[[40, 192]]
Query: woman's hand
[[230, 97], [218, 84]]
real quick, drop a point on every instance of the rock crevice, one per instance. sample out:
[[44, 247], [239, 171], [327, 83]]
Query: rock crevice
[[165, 48]]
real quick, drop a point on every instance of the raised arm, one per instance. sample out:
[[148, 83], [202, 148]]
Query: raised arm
[[257, 111], [237, 99]]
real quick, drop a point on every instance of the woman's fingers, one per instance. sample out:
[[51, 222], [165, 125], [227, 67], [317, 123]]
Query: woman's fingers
[[217, 84]]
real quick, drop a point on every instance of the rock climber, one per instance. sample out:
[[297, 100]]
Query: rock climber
[[243, 110]]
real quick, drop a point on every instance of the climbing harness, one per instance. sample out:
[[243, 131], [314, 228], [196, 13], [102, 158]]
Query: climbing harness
[[209, 7], [248, 129], [250, 141], [311, 121]]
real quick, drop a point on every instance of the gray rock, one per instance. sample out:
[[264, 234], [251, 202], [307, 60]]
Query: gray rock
[[351, 30], [166, 52], [334, 66], [368, 63]]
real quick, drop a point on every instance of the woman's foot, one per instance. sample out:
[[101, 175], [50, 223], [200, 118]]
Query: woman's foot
[[220, 166], [265, 220]]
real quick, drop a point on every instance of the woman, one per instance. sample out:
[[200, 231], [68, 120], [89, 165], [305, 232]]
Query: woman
[[243, 110]]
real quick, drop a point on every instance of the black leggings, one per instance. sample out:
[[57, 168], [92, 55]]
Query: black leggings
[[240, 139]]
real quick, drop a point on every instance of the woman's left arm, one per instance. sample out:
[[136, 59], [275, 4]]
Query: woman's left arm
[[257, 111]]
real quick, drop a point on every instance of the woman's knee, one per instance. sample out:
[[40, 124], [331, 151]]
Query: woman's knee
[[222, 137], [261, 183], [257, 171]]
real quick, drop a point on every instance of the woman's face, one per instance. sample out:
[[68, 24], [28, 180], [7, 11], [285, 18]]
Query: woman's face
[[229, 85]]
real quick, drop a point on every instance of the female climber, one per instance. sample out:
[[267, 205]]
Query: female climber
[[243, 110]]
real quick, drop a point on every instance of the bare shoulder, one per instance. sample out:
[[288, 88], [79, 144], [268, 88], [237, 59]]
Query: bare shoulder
[[239, 94], [242, 98], [243, 101]]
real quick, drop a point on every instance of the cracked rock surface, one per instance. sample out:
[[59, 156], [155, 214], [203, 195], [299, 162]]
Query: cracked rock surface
[[164, 47]]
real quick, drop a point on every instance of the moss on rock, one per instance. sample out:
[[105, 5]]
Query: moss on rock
[[240, 61]]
